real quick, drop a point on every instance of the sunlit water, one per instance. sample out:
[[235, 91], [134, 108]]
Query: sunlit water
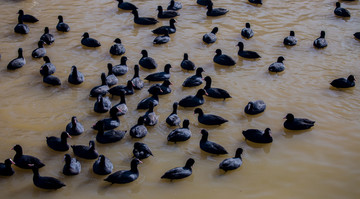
[[319, 163]]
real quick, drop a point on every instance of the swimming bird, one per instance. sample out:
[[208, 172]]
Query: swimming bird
[[75, 76], [109, 123], [21, 28], [247, 32], [291, 39], [59, 144], [61, 26], [143, 20], [232, 163], [293, 123], [209, 146], [214, 12], [121, 106], [50, 67], [256, 1], [5, 168], [162, 39], [49, 79], [101, 89], [74, 127], [72, 166], [277, 66], [40, 51], [357, 35], [117, 48], [215, 92], [180, 172], [137, 82], [23, 161], [203, 2], [166, 29], [86, 152], [160, 76], [180, 134], [223, 59], [145, 103], [150, 117], [194, 80], [342, 12], [174, 5], [344, 82], [164, 88], [257, 136], [126, 5], [141, 150], [166, 13], [109, 136], [210, 37], [187, 64], [111, 79], [173, 119], [47, 37], [193, 100], [139, 130], [17, 62], [255, 107], [102, 166], [128, 88], [45, 182], [125, 176], [88, 41], [321, 41], [146, 61], [209, 119], [247, 53], [102, 104], [26, 17]]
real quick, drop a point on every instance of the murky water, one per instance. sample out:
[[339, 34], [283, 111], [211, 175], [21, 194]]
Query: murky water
[[320, 163]]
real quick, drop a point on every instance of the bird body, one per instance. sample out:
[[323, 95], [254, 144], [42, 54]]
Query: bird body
[[102, 166], [187, 64], [344, 82], [125, 176], [290, 40], [247, 53], [117, 48], [293, 123], [47, 37], [141, 150], [341, 12], [257, 136], [160, 76], [5, 168], [209, 119], [173, 119], [321, 41], [278, 66], [209, 146], [210, 37], [180, 134], [23, 161], [180, 172], [17, 62], [194, 80], [72, 166], [59, 144], [86, 152], [232, 163], [45, 182], [89, 42], [61, 26], [193, 100], [255, 107], [139, 130], [215, 92], [143, 20], [223, 59], [75, 76], [74, 127], [40, 51], [247, 32]]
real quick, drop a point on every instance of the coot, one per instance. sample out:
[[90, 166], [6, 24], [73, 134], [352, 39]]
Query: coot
[[117, 48], [193, 100], [125, 176], [89, 42], [215, 92], [17, 62], [173, 119], [109, 123], [101, 89], [344, 82], [102, 166], [26, 17], [210, 37], [128, 88], [164, 88], [143, 20], [194, 80], [232, 163], [166, 13], [20, 27], [47, 37], [141, 150], [126, 5], [209, 119], [59, 144], [154, 99], [180, 134], [111, 79], [50, 67], [5, 168], [290, 40], [139, 130], [61, 26], [257, 136], [223, 59], [23, 161], [121, 106], [255, 107], [137, 82], [75, 76], [277, 66], [86, 152], [109, 136], [187, 64], [321, 41], [72, 166], [45, 182], [150, 117], [247, 53], [166, 29], [174, 5], [74, 127], [160, 76], [215, 11], [342, 12], [209, 146], [102, 104], [293, 123], [247, 32], [40, 51], [146, 61], [180, 172]]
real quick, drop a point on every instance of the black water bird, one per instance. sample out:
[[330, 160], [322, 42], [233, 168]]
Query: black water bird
[[74, 127], [193, 100], [150, 117], [162, 39], [164, 88], [50, 67], [344, 82], [215, 92], [232, 163], [203, 2], [277, 66], [247, 32], [45, 182], [121, 106], [223, 59], [210, 37], [187, 64], [49, 79], [109, 136], [88, 41], [290, 40], [255, 107], [128, 88], [101, 89], [72, 166], [214, 12], [209, 146], [6, 169], [256, 1], [75, 76], [40, 51], [26, 17], [23, 161], [102, 104], [357, 35], [61, 26], [20, 27], [174, 5], [117, 48], [247, 53], [111, 79], [139, 130], [194, 80], [166, 13], [209, 119], [137, 82], [59, 143], [143, 20], [180, 172], [293, 123], [321, 41], [173, 119], [258, 136], [47, 37], [342, 12], [102, 166], [141, 150], [154, 99], [86, 152], [166, 29], [180, 134], [109, 123], [146, 61], [126, 5], [160, 76], [125, 176], [17, 62]]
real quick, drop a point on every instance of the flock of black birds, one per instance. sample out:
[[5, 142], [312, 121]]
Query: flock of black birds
[[106, 127]]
